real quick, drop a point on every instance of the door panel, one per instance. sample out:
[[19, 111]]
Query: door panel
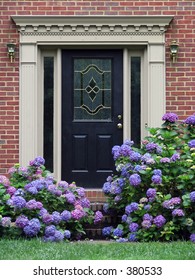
[[91, 102]]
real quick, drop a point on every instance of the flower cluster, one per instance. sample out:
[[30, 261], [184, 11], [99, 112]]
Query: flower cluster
[[35, 205], [156, 200]]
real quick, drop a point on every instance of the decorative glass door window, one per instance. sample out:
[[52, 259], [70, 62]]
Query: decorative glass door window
[[92, 89]]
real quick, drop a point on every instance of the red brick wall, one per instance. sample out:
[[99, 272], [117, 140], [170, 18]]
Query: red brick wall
[[180, 77]]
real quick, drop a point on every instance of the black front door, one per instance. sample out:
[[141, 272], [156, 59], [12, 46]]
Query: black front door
[[92, 102]]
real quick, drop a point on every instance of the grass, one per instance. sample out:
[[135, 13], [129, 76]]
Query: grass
[[35, 249]]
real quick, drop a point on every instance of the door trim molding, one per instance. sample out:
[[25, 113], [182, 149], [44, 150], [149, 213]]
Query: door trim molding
[[46, 32]]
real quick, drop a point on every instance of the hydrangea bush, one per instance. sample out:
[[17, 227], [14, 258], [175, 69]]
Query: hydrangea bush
[[153, 191], [33, 204]]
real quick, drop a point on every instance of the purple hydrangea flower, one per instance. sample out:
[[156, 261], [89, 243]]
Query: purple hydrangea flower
[[148, 217], [178, 212], [6, 222], [42, 212], [151, 193], [175, 200], [70, 197], [175, 157], [132, 237], [81, 192], [131, 208], [106, 231], [18, 202], [56, 217], [66, 215], [170, 117], [190, 120], [146, 224], [191, 143], [11, 190], [63, 184], [192, 237], [33, 227], [22, 221], [77, 214], [98, 217], [67, 234], [50, 230], [37, 162], [135, 179], [192, 196], [118, 232], [125, 150], [84, 202], [47, 218], [165, 160], [153, 147], [156, 179], [133, 227], [4, 180], [31, 204], [159, 221]]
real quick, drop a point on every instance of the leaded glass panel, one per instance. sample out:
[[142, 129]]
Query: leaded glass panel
[[92, 89]]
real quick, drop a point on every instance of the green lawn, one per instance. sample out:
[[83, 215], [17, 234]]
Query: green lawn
[[37, 250]]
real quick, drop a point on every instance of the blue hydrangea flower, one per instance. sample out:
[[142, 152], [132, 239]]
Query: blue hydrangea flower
[[66, 215], [157, 172], [191, 143], [192, 196], [135, 156], [56, 217], [106, 231], [18, 202], [165, 160], [133, 227], [135, 179], [106, 187], [58, 236], [131, 208], [50, 230], [118, 232], [122, 240], [33, 227], [132, 237], [67, 234], [124, 218]]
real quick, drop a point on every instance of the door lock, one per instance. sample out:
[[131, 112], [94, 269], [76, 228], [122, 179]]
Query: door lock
[[119, 125]]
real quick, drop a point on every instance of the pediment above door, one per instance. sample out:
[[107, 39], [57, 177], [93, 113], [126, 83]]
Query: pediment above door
[[122, 29]]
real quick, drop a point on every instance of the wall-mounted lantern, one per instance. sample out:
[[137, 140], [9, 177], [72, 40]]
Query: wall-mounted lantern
[[11, 50], [174, 46]]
